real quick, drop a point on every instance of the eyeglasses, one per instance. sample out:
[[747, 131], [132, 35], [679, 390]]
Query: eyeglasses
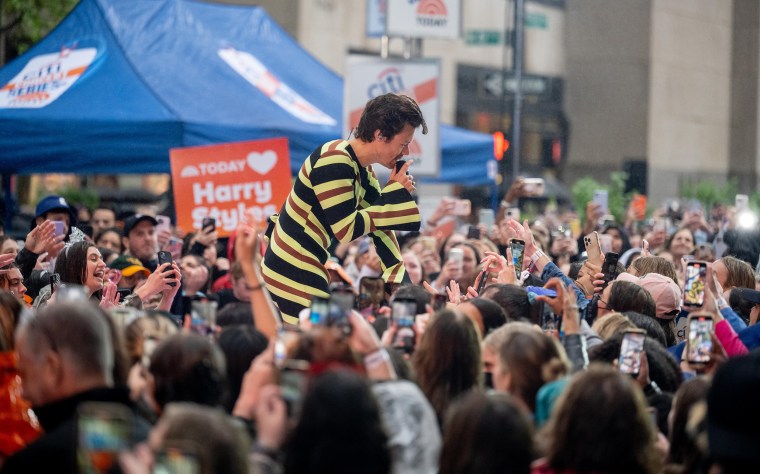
[[606, 304]]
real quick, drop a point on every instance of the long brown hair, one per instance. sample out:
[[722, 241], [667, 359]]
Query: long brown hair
[[447, 362], [532, 359], [600, 424], [487, 433]]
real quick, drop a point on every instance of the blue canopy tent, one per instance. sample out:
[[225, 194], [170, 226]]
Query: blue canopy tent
[[118, 83]]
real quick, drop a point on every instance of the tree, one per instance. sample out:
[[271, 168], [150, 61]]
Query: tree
[[25, 22]]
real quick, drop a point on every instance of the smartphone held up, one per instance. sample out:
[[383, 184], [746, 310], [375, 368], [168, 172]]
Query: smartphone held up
[[631, 348]]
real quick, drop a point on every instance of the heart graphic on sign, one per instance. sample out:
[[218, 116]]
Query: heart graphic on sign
[[262, 163]]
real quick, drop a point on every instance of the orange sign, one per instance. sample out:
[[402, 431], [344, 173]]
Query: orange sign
[[224, 181]]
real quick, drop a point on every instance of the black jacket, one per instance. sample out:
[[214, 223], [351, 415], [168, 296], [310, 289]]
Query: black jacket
[[56, 450]]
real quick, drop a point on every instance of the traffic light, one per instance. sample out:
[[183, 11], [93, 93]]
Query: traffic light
[[500, 145]]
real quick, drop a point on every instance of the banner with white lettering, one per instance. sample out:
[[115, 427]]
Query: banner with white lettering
[[223, 181], [368, 77]]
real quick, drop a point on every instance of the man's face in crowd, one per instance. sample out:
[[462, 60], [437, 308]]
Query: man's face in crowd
[[142, 242], [132, 282], [16, 283], [57, 215], [102, 219], [36, 370]]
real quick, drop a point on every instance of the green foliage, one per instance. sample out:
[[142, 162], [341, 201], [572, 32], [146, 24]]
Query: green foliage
[[709, 193], [617, 200], [31, 20], [75, 196]]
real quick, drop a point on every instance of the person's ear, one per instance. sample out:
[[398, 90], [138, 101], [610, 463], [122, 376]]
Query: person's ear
[[379, 135], [125, 242]]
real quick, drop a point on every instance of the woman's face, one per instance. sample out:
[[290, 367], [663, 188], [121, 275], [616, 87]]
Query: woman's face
[[96, 270], [110, 241], [413, 267], [602, 305], [453, 240], [469, 262], [617, 240], [721, 273], [682, 244], [9, 246]]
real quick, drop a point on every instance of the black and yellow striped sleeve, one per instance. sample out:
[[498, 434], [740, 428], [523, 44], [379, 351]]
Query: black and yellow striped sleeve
[[334, 181]]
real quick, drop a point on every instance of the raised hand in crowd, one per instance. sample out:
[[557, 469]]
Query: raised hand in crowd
[[504, 268], [565, 304], [271, 418], [444, 209], [365, 343], [451, 270], [6, 259], [158, 281], [42, 239], [110, 298], [205, 237], [247, 250], [524, 233], [594, 213], [258, 375]]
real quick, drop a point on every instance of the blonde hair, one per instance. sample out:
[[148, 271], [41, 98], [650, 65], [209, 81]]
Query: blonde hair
[[612, 324]]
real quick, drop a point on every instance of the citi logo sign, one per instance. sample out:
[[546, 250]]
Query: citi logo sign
[[432, 13], [389, 80]]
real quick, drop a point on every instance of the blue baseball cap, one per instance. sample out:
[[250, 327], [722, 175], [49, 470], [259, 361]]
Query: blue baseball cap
[[54, 203]]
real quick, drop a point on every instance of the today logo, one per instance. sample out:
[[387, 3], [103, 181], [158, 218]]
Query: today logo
[[432, 13], [260, 162]]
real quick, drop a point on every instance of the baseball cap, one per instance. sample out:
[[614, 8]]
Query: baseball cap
[[733, 414], [132, 221], [753, 296], [129, 266], [53, 203], [665, 292]]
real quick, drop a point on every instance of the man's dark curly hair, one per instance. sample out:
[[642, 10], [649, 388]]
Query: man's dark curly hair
[[389, 113]]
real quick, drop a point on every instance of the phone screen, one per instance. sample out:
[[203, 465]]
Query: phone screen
[[473, 232], [58, 228], [403, 314], [292, 380], [600, 198], [609, 268], [517, 247], [694, 285], [630, 352], [104, 429], [699, 341], [164, 224], [320, 307], [549, 320], [174, 460], [165, 257], [203, 317], [340, 305], [482, 281], [486, 217]]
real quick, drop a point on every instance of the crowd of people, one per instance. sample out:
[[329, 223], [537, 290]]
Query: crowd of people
[[128, 345]]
